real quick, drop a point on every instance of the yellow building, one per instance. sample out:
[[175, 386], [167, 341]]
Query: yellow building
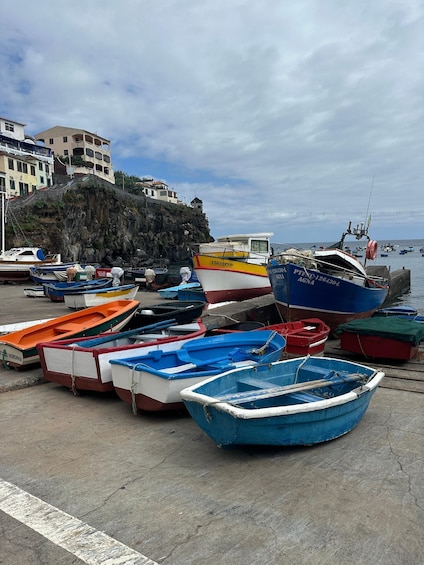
[[24, 165]]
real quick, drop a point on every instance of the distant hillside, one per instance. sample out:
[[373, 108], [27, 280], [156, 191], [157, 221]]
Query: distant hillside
[[88, 219]]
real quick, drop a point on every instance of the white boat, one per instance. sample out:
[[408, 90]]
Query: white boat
[[53, 273], [15, 263], [17, 326], [153, 382], [83, 364], [34, 291], [101, 296], [234, 267]]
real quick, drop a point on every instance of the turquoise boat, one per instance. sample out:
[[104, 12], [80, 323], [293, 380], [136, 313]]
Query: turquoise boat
[[300, 401]]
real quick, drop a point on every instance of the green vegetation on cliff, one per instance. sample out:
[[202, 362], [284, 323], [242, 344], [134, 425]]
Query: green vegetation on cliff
[[91, 220]]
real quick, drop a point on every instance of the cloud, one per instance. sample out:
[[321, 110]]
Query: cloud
[[283, 117]]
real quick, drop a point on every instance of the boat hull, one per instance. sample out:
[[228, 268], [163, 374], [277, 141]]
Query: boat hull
[[298, 418], [305, 337], [56, 291], [19, 349], [305, 293], [225, 279], [380, 337], [92, 298], [84, 365], [377, 347]]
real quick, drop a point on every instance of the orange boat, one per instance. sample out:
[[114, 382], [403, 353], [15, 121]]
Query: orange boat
[[19, 348]]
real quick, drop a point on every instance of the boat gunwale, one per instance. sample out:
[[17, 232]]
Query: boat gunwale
[[238, 412]]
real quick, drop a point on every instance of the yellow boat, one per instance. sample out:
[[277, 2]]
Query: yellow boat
[[234, 267]]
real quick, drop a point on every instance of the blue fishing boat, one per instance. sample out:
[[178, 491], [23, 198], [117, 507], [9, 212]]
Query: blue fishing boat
[[329, 284], [56, 290], [300, 401], [153, 382]]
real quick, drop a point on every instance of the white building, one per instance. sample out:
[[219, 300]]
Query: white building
[[25, 166]]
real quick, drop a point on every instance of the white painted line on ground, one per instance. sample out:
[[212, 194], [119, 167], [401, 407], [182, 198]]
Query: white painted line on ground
[[77, 537]]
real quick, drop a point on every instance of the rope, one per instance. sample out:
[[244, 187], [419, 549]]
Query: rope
[[73, 387], [299, 367], [261, 350], [360, 346]]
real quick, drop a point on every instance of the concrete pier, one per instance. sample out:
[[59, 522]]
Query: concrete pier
[[83, 480]]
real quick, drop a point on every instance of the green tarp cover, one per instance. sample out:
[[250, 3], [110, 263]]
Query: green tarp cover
[[386, 326]]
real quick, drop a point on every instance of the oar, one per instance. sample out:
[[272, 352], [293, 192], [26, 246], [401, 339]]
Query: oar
[[250, 395], [164, 324]]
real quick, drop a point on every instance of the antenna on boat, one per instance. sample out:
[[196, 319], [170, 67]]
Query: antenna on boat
[[368, 217]]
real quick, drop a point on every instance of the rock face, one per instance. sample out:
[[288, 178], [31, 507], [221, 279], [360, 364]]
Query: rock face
[[88, 219]]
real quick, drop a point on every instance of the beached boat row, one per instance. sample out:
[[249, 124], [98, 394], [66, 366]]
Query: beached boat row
[[255, 397]]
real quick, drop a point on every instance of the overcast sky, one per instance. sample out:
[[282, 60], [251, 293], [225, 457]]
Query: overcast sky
[[291, 117]]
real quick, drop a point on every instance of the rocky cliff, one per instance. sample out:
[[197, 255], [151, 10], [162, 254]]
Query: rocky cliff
[[91, 220]]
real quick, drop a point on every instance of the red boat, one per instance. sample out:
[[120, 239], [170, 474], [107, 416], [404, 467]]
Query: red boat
[[382, 337], [304, 337]]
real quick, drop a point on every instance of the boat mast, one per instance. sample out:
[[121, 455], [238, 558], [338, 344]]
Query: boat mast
[[3, 200]]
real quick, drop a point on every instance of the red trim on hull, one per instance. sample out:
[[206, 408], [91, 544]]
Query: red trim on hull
[[215, 296], [81, 383], [147, 404]]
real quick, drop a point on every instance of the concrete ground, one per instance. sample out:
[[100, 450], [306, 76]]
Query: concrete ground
[[160, 489]]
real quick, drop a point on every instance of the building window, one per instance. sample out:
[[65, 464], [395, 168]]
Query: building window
[[65, 139], [12, 184], [33, 188], [66, 152], [106, 171], [106, 158], [89, 152], [25, 168], [32, 171], [41, 180], [51, 141], [11, 165], [9, 126], [47, 169], [98, 155], [40, 166], [19, 166]]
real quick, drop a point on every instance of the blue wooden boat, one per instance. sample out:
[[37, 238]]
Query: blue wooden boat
[[400, 310], [153, 382], [331, 284], [56, 290], [171, 293], [300, 401]]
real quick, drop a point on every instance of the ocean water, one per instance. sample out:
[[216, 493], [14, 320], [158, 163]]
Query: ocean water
[[412, 260]]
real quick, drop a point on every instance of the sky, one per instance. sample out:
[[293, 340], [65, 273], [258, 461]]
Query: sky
[[286, 117]]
